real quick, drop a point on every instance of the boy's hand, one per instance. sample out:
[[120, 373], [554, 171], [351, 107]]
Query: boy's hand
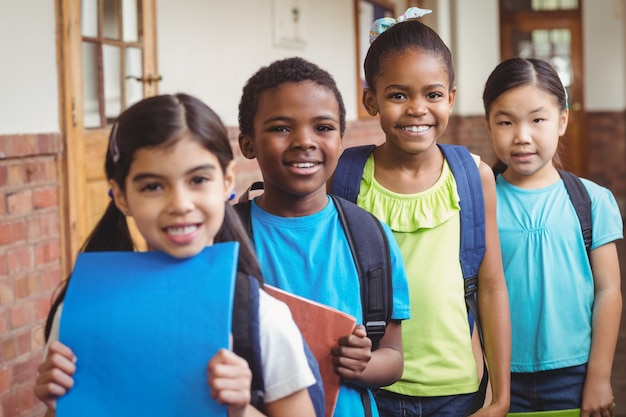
[[352, 353], [54, 377], [229, 378]]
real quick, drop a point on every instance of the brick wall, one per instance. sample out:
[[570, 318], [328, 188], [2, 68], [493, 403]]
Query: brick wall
[[29, 262]]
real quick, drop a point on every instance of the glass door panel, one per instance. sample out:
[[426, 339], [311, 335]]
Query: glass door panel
[[112, 63], [134, 70]]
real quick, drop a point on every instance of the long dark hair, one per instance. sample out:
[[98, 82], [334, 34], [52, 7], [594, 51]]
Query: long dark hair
[[519, 72], [157, 122]]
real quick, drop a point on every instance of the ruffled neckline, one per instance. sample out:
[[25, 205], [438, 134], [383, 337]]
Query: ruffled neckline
[[410, 212]]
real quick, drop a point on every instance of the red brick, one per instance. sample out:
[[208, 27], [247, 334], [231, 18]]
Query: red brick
[[9, 404], [30, 171], [26, 397], [17, 145], [20, 202], [47, 253], [20, 286], [18, 231], [7, 295], [4, 173], [33, 229], [5, 234], [4, 321], [9, 349], [15, 174], [45, 197], [49, 225], [24, 343], [43, 307], [20, 259], [34, 284], [26, 371], [3, 265], [6, 380], [23, 314], [47, 170]]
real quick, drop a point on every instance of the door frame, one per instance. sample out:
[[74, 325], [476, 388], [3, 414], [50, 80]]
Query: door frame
[[71, 168], [575, 151]]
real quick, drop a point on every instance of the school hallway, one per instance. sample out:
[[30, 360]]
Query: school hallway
[[619, 365]]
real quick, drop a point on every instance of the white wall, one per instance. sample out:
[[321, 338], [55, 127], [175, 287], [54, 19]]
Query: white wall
[[209, 48], [605, 60], [476, 51], [29, 98]]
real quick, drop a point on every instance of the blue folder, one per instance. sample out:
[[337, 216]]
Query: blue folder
[[143, 327]]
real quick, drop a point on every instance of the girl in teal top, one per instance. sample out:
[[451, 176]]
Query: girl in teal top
[[565, 304]]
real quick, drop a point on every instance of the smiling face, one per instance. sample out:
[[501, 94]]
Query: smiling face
[[296, 142], [176, 196], [525, 125], [413, 95]]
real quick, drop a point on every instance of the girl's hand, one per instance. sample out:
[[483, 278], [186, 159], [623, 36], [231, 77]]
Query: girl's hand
[[597, 399], [229, 378], [54, 377], [351, 354]]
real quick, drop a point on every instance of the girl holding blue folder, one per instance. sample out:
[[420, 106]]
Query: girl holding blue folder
[[170, 166]]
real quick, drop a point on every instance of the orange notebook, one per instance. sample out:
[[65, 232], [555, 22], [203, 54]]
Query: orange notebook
[[321, 326]]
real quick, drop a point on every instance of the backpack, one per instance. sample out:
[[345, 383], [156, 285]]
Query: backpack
[[347, 181], [365, 236], [246, 343], [373, 265]]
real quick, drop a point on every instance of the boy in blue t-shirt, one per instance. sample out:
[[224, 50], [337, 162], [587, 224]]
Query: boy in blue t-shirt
[[292, 120]]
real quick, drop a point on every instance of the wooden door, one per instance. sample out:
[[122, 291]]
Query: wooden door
[[552, 30], [108, 62]]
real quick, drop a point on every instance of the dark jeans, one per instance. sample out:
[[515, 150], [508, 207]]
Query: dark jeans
[[559, 389], [396, 405]]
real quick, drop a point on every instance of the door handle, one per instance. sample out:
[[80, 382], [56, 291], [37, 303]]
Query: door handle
[[150, 78]]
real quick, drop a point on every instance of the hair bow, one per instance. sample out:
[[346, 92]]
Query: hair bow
[[382, 24]]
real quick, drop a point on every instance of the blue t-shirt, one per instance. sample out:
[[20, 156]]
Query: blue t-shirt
[[547, 271], [310, 256]]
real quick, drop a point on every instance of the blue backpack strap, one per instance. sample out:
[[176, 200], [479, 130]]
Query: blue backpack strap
[[473, 242], [581, 201], [471, 200], [246, 334], [347, 177], [366, 237]]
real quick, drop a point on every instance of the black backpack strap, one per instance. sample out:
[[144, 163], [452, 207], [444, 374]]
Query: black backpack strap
[[347, 177], [246, 335], [366, 237], [581, 201], [243, 210]]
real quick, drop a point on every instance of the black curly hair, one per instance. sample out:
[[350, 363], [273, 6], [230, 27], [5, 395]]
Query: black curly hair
[[288, 70]]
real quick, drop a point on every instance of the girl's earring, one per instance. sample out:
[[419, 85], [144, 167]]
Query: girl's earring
[[232, 196], [372, 112]]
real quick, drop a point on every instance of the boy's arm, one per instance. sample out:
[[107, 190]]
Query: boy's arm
[[606, 316], [387, 362], [493, 305]]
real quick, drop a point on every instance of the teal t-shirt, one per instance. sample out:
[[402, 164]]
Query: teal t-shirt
[[547, 271]]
